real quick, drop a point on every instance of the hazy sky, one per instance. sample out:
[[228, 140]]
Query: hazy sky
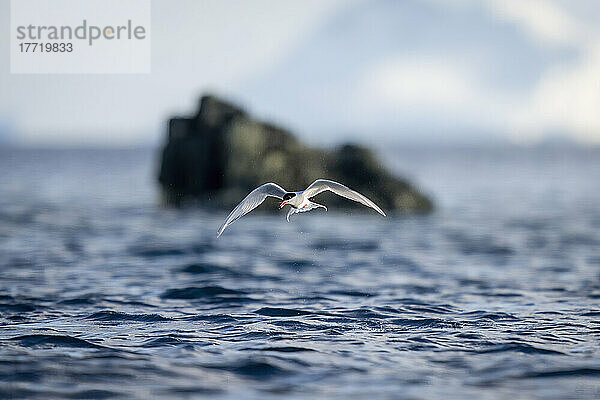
[[412, 70]]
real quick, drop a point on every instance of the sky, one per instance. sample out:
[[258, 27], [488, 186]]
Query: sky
[[411, 71]]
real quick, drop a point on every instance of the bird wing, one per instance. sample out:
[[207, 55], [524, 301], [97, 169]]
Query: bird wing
[[321, 185], [250, 202]]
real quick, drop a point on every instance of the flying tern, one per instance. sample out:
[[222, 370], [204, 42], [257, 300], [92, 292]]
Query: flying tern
[[299, 201]]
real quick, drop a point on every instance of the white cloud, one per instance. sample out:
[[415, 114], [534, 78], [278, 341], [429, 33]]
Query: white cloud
[[543, 19], [566, 97], [433, 89], [420, 82]]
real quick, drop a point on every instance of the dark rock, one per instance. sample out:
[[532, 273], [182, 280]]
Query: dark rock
[[220, 154]]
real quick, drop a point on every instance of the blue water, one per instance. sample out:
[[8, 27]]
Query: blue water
[[496, 295]]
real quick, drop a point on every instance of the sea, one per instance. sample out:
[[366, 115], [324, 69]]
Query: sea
[[104, 293]]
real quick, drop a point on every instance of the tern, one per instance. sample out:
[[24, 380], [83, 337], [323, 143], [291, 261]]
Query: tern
[[299, 201]]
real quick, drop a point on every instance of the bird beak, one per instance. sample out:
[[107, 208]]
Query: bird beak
[[283, 203]]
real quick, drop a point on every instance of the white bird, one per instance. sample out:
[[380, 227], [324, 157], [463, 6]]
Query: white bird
[[299, 201]]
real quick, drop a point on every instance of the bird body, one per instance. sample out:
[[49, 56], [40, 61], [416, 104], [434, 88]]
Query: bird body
[[299, 201], [302, 205]]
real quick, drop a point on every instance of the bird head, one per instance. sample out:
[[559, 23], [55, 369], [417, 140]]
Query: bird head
[[286, 198]]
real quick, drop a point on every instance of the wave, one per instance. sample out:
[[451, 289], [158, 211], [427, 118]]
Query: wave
[[517, 348], [280, 349], [88, 299], [351, 293], [563, 373], [109, 315], [204, 268], [200, 292], [426, 323], [93, 394], [54, 340], [345, 245], [252, 369], [216, 319], [282, 312], [17, 307], [494, 316], [162, 250], [170, 340]]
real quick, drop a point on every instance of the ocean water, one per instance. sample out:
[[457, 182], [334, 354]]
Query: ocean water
[[496, 295]]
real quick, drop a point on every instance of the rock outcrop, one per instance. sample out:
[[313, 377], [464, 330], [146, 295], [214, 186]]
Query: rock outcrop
[[218, 155]]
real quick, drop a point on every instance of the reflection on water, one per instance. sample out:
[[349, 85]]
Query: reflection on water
[[495, 295]]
